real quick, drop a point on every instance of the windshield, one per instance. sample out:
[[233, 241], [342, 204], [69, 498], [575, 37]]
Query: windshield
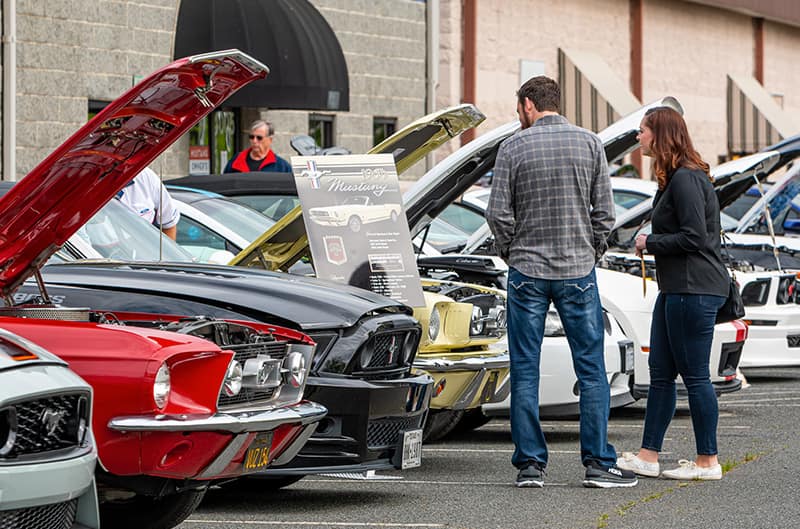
[[116, 232], [273, 206], [242, 220], [784, 206], [357, 200]]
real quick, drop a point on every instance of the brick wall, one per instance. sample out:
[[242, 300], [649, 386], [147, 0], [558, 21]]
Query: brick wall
[[70, 52], [384, 45]]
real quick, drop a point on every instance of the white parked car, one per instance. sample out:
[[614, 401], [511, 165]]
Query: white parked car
[[621, 294], [772, 312]]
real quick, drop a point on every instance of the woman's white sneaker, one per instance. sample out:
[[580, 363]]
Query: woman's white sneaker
[[688, 470], [630, 461]]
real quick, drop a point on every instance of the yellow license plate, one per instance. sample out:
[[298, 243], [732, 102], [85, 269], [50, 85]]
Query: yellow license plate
[[257, 456]]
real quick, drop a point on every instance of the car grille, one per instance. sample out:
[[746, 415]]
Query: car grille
[[55, 516], [388, 349], [48, 424], [242, 352], [382, 433]]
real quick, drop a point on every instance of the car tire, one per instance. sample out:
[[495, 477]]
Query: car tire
[[354, 223], [440, 423], [147, 511], [472, 420]]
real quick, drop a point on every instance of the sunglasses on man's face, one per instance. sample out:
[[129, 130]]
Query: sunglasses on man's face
[[257, 137]]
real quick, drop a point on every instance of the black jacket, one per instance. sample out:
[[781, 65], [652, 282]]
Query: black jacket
[[686, 236]]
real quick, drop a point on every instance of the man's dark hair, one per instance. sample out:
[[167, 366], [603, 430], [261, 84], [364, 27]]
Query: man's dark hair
[[543, 92]]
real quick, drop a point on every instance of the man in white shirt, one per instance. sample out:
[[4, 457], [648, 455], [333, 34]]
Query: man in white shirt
[[146, 196]]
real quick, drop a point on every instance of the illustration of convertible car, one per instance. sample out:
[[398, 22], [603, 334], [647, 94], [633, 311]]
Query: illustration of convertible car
[[355, 211], [180, 402]]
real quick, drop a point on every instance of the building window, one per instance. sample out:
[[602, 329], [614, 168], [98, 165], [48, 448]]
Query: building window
[[320, 127], [213, 142], [96, 106], [382, 128]]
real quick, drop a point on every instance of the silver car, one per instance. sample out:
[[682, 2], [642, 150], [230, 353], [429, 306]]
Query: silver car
[[47, 453]]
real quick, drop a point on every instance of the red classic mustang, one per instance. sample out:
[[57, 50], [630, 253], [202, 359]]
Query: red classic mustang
[[178, 402]]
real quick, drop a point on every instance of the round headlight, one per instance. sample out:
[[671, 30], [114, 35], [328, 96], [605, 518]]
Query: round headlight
[[161, 386], [502, 322], [233, 379], [433, 324], [8, 430], [477, 324], [295, 365]]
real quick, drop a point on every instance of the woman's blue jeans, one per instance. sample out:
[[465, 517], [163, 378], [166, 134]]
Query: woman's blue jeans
[[680, 344], [578, 304]]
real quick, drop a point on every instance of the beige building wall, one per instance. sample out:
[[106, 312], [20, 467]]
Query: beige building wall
[[688, 51], [781, 73]]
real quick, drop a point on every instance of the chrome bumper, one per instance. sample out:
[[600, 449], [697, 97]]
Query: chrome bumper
[[467, 364], [233, 422]]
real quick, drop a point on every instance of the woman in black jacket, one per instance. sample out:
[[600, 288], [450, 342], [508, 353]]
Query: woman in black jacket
[[693, 284]]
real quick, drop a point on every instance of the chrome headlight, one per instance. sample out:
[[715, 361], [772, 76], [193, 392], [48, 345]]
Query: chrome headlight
[[294, 368], [233, 379], [553, 325], [498, 314], [161, 386], [433, 324], [477, 323]]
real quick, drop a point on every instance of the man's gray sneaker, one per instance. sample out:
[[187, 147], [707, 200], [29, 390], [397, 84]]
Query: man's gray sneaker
[[601, 477], [531, 475]]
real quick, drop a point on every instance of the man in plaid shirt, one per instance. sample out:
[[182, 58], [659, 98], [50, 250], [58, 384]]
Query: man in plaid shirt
[[550, 211]]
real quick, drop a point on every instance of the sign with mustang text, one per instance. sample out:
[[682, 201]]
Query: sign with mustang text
[[357, 229]]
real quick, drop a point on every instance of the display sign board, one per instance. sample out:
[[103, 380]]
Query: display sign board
[[357, 229]]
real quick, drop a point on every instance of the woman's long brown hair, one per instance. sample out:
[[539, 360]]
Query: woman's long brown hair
[[672, 147]]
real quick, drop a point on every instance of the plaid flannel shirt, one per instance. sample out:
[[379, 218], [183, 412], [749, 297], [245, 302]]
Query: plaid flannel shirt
[[551, 207]]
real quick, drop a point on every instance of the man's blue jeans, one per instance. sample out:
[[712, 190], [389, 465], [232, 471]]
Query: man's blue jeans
[[680, 344], [578, 304]]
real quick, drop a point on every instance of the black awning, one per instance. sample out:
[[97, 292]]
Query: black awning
[[307, 67]]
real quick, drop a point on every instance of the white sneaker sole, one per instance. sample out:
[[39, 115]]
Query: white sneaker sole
[[608, 484], [530, 484], [712, 477], [641, 472]]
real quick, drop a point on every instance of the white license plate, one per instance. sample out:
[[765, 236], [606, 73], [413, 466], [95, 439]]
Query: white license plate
[[412, 449]]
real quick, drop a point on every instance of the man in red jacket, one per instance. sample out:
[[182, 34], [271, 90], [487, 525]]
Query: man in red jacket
[[259, 157]]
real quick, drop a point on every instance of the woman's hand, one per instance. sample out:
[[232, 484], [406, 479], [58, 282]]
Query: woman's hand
[[641, 244]]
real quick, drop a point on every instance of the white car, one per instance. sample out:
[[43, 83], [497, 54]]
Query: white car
[[771, 310], [621, 294]]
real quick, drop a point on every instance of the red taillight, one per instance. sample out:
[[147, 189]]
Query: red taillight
[[741, 330]]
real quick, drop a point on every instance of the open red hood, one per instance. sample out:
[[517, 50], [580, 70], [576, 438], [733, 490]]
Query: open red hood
[[55, 199]]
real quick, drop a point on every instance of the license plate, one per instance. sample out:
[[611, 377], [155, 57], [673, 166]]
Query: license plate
[[257, 456], [412, 449], [626, 356]]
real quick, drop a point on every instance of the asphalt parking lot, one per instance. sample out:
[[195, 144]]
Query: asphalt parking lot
[[466, 481]]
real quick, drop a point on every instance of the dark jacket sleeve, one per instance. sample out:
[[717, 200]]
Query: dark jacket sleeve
[[688, 200], [229, 166]]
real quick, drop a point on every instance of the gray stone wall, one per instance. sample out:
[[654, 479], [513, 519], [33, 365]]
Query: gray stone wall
[[71, 52]]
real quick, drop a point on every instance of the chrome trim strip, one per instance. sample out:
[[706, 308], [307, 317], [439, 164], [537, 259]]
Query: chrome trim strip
[[469, 364], [304, 412]]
